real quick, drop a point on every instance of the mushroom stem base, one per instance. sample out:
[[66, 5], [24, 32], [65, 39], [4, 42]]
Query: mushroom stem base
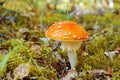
[[72, 58]]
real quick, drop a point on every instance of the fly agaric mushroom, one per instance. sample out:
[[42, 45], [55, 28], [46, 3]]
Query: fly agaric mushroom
[[71, 35]]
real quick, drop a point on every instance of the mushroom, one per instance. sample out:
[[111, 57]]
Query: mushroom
[[71, 35]]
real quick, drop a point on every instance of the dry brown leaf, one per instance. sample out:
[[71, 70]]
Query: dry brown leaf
[[3, 50], [98, 73], [118, 49], [72, 73], [23, 30], [85, 53], [35, 48], [21, 71], [111, 54]]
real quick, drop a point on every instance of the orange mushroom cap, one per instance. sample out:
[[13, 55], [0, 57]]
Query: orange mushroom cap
[[66, 31]]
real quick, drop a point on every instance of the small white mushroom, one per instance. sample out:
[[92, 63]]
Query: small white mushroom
[[70, 44]]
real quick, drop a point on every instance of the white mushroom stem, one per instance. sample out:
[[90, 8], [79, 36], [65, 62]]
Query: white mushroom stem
[[72, 58], [71, 47]]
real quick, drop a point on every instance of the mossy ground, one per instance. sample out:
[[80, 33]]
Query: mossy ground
[[20, 43]]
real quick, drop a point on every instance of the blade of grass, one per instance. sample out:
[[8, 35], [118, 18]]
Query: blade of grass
[[67, 12], [6, 58]]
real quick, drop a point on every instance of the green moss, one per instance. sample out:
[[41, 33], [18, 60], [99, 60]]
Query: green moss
[[43, 73], [105, 42], [116, 75], [19, 52], [10, 60], [98, 61]]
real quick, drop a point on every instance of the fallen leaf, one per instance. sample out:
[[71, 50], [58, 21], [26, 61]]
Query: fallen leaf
[[21, 71], [4, 50], [35, 48], [85, 53], [45, 40], [111, 54], [118, 49], [72, 73], [99, 73], [23, 30]]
